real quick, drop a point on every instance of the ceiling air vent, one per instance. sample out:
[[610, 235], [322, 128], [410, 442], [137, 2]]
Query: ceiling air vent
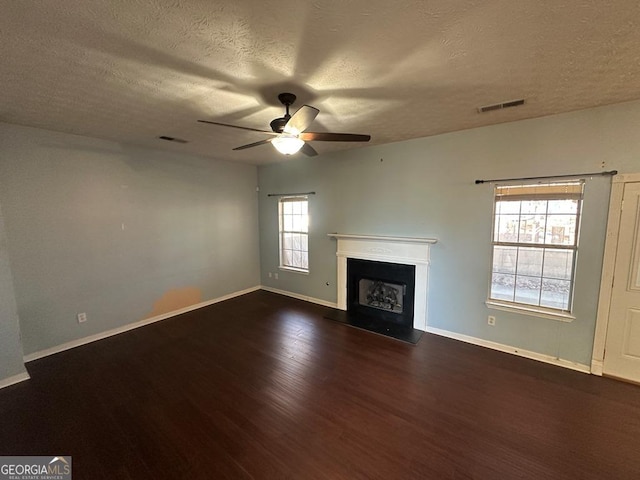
[[172, 139], [500, 106]]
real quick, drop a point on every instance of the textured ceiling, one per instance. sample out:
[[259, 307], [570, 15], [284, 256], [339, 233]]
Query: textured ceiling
[[131, 70]]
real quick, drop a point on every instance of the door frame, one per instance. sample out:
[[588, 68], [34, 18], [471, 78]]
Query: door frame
[[608, 267]]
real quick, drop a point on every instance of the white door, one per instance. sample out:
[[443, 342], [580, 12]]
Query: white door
[[622, 349]]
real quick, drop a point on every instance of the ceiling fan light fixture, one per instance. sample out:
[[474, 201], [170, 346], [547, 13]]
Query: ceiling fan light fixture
[[287, 144]]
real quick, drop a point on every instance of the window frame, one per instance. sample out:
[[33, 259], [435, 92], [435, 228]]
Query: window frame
[[282, 232], [561, 314]]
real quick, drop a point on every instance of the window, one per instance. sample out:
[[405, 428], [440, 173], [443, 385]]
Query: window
[[535, 243], [294, 233]]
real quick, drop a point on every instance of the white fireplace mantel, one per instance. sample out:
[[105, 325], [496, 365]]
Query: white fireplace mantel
[[404, 250]]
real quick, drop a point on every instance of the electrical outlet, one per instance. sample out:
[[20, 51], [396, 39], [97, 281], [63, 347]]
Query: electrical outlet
[[270, 274], [491, 320], [82, 317], [276, 275]]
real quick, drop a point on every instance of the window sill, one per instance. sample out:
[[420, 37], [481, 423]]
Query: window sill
[[294, 270], [531, 311]]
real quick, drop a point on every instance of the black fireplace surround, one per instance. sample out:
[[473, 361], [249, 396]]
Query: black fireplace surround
[[381, 290]]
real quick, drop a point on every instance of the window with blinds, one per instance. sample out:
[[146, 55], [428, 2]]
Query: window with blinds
[[535, 244], [294, 233]]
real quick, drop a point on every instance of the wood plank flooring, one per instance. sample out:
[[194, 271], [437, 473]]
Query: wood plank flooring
[[262, 387]]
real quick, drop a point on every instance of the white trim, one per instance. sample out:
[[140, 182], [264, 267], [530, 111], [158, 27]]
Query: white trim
[[383, 238], [579, 367], [382, 258], [597, 367], [21, 377], [531, 311], [294, 270], [608, 266], [626, 178], [299, 296], [131, 326]]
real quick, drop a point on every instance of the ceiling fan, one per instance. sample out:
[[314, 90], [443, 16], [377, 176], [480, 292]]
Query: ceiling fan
[[289, 132]]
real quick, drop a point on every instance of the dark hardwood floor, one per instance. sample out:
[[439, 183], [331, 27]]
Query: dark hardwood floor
[[262, 386]]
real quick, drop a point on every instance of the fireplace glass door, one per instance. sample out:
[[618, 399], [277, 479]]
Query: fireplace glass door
[[383, 295]]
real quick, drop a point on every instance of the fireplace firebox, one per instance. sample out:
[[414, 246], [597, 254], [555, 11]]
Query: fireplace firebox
[[381, 290]]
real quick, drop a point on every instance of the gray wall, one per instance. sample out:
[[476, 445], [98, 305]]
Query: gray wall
[[10, 347], [426, 187], [119, 232]]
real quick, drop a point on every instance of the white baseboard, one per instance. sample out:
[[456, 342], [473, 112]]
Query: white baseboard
[[131, 326], [595, 368], [513, 350], [21, 377], [300, 297]]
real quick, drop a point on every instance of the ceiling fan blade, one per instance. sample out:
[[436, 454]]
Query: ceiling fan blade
[[254, 144], [308, 150], [236, 126], [301, 120], [334, 137]]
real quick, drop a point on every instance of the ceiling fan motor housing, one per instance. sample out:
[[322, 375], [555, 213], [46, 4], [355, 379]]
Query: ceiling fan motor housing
[[277, 124]]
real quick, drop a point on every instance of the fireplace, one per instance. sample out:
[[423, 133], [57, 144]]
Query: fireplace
[[381, 290], [397, 252]]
